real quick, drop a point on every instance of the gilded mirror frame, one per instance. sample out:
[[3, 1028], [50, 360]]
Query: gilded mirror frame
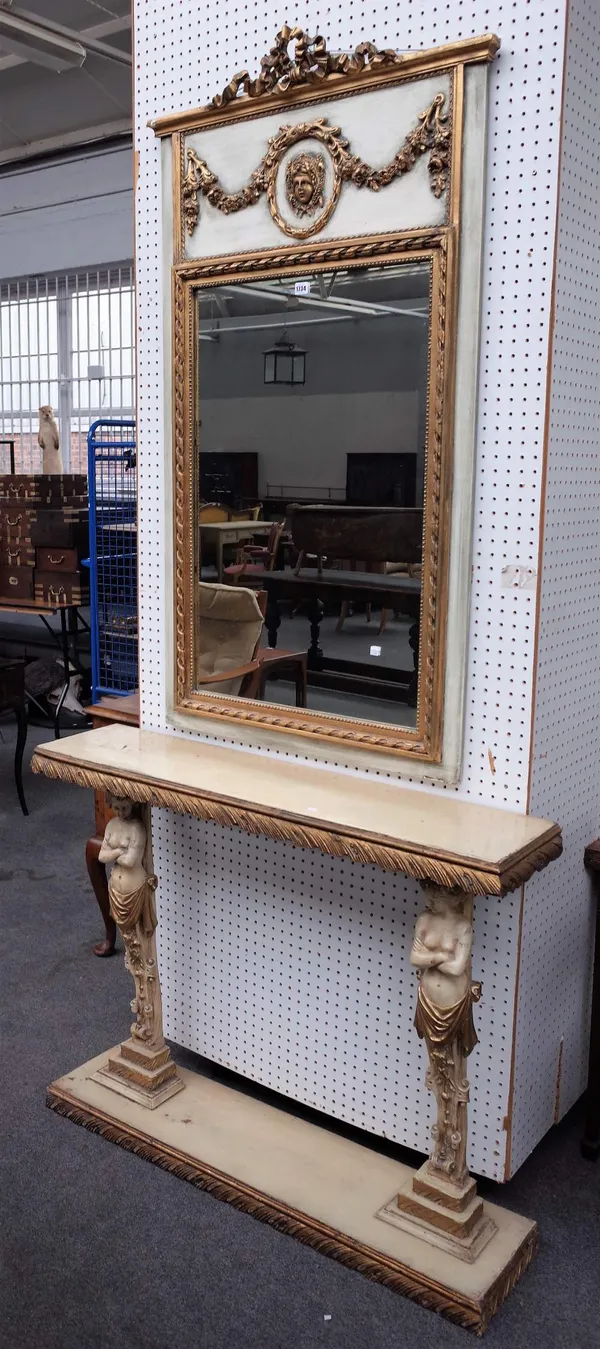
[[439, 246]]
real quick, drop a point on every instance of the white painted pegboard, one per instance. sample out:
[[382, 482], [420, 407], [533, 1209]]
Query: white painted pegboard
[[559, 914], [184, 52], [290, 967]]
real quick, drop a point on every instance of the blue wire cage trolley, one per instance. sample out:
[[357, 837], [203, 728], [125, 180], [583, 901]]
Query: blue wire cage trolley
[[112, 487]]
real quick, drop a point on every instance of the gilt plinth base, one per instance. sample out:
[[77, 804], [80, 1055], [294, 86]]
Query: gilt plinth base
[[324, 1190], [147, 1076], [452, 1218]]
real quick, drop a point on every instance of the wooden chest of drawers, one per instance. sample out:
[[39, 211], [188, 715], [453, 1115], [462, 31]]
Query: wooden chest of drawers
[[43, 538]]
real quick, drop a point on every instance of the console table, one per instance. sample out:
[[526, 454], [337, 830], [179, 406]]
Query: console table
[[424, 1233]]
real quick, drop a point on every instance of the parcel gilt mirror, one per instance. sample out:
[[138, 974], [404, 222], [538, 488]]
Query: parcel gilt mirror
[[325, 303]]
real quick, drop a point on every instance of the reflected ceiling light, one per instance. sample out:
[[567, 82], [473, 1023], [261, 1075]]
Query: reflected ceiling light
[[33, 42], [285, 363]]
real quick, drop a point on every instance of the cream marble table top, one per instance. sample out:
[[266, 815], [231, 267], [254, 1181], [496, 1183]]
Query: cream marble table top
[[479, 849]]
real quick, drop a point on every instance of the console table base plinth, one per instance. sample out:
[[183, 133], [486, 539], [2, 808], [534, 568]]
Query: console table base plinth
[[463, 1226], [327, 1191], [432, 1185], [147, 1076]]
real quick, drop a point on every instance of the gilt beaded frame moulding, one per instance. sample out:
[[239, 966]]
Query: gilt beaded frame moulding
[[297, 73]]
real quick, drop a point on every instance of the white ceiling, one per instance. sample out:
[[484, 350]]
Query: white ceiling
[[40, 110]]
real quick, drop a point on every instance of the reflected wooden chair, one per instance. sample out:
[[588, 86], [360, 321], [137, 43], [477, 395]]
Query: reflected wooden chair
[[381, 569], [251, 513], [211, 513], [254, 560]]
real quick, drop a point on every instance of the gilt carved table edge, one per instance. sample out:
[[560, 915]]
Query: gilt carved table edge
[[437, 867]]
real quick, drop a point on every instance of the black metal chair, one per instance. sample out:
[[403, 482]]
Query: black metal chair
[[12, 698]]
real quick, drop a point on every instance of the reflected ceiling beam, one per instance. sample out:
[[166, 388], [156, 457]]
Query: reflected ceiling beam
[[277, 323], [358, 307]]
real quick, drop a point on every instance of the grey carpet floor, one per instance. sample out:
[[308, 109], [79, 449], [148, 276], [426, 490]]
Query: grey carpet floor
[[100, 1250]]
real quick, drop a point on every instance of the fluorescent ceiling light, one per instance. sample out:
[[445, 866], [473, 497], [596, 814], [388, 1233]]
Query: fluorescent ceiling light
[[33, 42]]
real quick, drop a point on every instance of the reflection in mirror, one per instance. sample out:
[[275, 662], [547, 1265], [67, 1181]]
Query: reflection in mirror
[[311, 422]]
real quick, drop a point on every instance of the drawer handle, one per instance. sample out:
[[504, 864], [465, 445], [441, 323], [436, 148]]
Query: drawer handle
[[16, 521], [13, 580], [14, 555], [56, 594], [56, 560], [15, 491]]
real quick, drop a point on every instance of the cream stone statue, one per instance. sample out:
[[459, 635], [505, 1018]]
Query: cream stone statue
[[48, 440], [444, 1019], [143, 1069], [131, 892]]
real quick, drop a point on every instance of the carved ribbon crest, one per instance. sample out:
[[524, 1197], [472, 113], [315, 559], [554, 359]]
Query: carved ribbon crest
[[310, 63], [431, 136]]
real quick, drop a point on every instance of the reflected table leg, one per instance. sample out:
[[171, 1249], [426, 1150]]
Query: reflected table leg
[[315, 610], [272, 619]]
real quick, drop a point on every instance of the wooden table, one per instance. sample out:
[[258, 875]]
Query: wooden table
[[232, 531], [434, 1238], [312, 589], [12, 699], [590, 1145]]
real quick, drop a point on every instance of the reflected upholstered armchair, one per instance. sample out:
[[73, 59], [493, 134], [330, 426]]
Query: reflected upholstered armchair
[[230, 657], [230, 624]]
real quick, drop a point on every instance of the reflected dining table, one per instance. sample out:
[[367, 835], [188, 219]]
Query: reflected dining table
[[232, 531]]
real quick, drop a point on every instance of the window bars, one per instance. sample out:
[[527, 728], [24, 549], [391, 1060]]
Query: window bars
[[67, 340]]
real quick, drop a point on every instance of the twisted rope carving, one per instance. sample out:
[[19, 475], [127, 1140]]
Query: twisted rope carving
[[388, 857]]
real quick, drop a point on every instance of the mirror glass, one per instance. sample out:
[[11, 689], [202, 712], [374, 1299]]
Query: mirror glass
[[310, 461]]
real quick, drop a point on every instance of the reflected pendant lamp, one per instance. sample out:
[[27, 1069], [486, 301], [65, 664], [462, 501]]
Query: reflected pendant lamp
[[285, 363]]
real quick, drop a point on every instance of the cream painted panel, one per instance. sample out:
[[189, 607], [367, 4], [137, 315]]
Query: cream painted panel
[[293, 437], [374, 123]]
